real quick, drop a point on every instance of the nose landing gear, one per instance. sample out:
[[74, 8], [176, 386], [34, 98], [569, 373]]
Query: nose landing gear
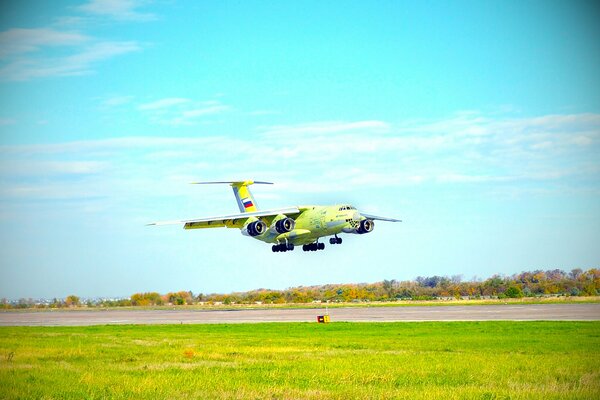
[[335, 240]]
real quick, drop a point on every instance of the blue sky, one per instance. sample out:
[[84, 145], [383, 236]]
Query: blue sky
[[477, 123]]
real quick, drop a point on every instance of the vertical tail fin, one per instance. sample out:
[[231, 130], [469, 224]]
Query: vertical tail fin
[[241, 191]]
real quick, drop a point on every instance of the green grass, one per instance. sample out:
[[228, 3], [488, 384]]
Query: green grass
[[428, 360]]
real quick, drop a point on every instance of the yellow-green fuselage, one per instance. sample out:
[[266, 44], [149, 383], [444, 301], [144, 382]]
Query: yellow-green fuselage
[[312, 223]]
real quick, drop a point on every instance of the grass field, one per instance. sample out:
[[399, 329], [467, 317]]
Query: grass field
[[428, 360]]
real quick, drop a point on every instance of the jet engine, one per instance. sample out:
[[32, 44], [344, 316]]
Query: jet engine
[[284, 225], [366, 226], [254, 228]]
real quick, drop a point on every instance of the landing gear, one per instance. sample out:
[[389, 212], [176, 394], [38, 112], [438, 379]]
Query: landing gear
[[335, 240], [313, 246], [283, 247]]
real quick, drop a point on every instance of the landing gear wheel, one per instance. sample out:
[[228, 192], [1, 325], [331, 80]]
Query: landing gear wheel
[[332, 240], [339, 240], [282, 247], [320, 246]]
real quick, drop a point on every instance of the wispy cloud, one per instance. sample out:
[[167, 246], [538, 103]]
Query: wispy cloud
[[116, 101], [46, 168], [330, 156], [124, 10], [198, 112], [53, 51], [18, 41], [163, 103], [181, 111], [325, 127], [82, 62], [7, 121], [260, 113]]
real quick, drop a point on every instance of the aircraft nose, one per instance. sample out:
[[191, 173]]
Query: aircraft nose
[[356, 216]]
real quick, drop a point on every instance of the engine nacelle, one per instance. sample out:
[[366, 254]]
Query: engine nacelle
[[255, 228], [366, 226], [284, 225]]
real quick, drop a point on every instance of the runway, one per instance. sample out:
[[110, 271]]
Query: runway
[[512, 312]]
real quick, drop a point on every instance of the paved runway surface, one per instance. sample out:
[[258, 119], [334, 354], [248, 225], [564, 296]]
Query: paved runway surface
[[533, 312]]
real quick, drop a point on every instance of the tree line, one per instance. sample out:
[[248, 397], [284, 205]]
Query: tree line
[[536, 283]]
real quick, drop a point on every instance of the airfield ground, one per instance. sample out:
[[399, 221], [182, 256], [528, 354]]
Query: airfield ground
[[509, 311], [425, 360]]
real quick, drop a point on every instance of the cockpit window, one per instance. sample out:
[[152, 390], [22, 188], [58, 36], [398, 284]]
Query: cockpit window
[[347, 208]]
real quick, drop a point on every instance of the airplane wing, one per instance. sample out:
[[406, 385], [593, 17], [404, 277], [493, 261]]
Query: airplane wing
[[229, 221], [369, 216]]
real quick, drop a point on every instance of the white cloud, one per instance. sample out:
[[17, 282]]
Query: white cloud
[[335, 155], [27, 54], [125, 10], [326, 127], [116, 101], [204, 111], [260, 113], [81, 63], [163, 103], [44, 168], [7, 121], [18, 41], [181, 111]]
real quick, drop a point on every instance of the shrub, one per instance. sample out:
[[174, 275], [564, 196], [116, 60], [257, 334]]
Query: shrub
[[514, 292]]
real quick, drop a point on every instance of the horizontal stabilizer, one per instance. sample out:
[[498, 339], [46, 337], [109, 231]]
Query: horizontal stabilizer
[[233, 183], [241, 191]]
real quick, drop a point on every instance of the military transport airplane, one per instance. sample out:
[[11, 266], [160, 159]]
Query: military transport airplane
[[286, 227]]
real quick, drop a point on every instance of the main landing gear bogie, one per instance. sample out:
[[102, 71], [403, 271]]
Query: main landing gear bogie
[[313, 246], [283, 247]]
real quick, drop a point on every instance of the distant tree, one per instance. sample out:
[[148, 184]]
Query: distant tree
[[389, 287], [146, 299], [72, 301], [56, 303], [575, 273], [4, 304], [555, 274], [433, 281], [25, 303], [178, 298]]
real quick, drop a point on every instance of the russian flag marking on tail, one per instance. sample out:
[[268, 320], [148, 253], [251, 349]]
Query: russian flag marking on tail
[[247, 202]]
